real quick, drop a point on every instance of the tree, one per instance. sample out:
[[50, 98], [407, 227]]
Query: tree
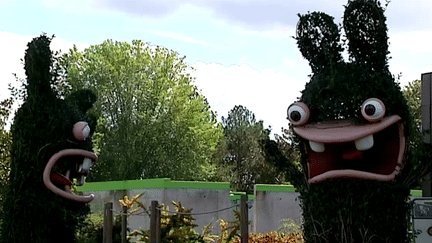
[[419, 150], [412, 93], [288, 146], [43, 126], [284, 154], [240, 152], [152, 122], [5, 145]]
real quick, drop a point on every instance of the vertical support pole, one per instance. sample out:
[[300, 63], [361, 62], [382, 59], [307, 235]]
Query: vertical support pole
[[254, 225], [426, 101], [244, 219], [426, 105], [154, 223], [124, 224], [108, 223], [426, 186]]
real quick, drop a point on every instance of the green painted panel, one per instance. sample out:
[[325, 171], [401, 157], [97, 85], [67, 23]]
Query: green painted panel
[[416, 193], [122, 185], [150, 183], [197, 184], [275, 188], [102, 186], [168, 183], [237, 196]]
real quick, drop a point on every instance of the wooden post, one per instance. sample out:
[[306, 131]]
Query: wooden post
[[244, 219], [124, 225], [154, 223], [108, 223]]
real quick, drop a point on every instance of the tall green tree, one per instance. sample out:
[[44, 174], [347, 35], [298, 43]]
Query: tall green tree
[[412, 93], [284, 154], [153, 122], [5, 145], [240, 153]]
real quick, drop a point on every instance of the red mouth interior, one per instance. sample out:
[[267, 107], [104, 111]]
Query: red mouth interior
[[382, 158], [60, 179]]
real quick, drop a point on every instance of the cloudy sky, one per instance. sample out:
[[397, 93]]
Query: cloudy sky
[[242, 50]]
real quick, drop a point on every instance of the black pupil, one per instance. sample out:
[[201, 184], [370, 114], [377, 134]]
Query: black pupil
[[295, 116], [370, 110]]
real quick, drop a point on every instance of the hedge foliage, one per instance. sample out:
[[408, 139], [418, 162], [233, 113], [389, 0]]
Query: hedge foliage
[[352, 210], [42, 126]]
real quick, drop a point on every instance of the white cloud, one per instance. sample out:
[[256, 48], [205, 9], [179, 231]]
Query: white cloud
[[274, 31], [180, 37], [152, 8], [414, 41], [272, 18], [250, 14], [64, 46], [12, 49], [289, 63], [410, 53], [406, 16], [427, 69], [3, 1], [70, 6], [266, 93]]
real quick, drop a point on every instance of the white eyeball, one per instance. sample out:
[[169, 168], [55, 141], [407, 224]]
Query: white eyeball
[[81, 131], [298, 113], [373, 109]]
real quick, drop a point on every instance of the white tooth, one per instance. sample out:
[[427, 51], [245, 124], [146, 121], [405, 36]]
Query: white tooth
[[364, 143], [80, 180], [317, 147], [87, 163]]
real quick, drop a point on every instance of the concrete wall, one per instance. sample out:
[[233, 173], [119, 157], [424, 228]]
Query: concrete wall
[[200, 197], [267, 207], [272, 204], [202, 200]]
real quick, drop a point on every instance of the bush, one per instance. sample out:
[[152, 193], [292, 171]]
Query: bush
[[179, 227], [289, 232], [274, 237], [176, 228], [91, 231]]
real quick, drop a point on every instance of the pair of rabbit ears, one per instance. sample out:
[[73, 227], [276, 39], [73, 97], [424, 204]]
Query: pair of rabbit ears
[[318, 37]]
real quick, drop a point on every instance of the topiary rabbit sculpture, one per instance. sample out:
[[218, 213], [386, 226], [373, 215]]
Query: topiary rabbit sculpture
[[352, 125], [51, 146]]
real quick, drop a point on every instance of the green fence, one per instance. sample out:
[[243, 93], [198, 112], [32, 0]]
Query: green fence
[[149, 183]]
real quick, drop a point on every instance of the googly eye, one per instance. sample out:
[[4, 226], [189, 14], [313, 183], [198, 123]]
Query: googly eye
[[373, 109], [298, 113], [81, 130]]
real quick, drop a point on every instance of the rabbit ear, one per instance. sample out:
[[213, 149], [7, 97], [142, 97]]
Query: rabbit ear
[[318, 39], [366, 31]]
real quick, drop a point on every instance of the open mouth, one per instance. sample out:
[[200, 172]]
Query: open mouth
[[60, 184], [344, 150]]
